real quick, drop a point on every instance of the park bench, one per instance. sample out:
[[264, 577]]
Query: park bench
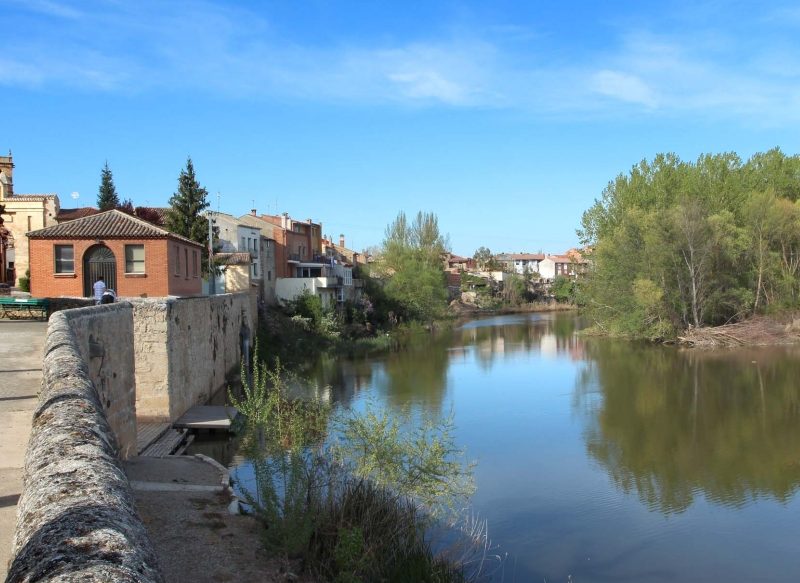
[[13, 308]]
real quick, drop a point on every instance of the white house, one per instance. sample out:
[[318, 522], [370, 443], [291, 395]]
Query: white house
[[521, 263]]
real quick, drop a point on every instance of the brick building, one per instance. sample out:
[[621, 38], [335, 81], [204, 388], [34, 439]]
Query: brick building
[[298, 244], [135, 258]]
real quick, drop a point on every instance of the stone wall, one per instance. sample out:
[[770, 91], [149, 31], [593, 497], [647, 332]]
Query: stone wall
[[103, 337], [187, 349], [76, 517]]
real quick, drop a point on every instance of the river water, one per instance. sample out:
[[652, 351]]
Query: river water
[[602, 460], [606, 460]]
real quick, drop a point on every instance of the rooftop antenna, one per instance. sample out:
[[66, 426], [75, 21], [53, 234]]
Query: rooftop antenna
[[75, 196], [218, 201]]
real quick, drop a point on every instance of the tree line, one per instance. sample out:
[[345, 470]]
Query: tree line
[[679, 244], [185, 215]]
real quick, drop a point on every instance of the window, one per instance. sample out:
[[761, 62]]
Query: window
[[186, 261], [65, 258], [243, 246], [269, 275], [194, 263], [177, 260], [134, 258]]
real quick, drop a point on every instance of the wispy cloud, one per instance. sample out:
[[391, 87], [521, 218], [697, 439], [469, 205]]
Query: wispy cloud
[[47, 7], [623, 86], [149, 46]]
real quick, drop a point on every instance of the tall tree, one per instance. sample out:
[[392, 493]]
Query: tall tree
[[411, 258], [484, 258], [186, 207], [107, 198]]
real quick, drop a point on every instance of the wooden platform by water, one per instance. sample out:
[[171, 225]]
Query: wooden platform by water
[[160, 439], [148, 433], [207, 417]]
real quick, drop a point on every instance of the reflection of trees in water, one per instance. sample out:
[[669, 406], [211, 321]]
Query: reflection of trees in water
[[418, 372], [345, 377], [671, 424]]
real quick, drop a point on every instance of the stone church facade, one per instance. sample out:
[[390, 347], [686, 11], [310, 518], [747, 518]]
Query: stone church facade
[[23, 213]]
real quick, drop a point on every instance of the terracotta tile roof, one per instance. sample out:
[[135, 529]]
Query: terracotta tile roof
[[568, 259], [521, 256], [112, 224], [65, 215], [30, 197], [232, 258]]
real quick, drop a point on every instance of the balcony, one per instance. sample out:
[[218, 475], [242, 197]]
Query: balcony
[[293, 258]]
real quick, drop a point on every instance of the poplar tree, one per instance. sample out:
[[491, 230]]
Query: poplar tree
[[185, 216], [107, 198]]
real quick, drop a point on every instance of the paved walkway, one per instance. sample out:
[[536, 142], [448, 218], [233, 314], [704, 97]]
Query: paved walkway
[[21, 344]]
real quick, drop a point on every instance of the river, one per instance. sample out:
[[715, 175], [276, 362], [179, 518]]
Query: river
[[603, 460]]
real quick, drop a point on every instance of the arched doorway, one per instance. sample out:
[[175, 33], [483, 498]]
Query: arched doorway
[[99, 261]]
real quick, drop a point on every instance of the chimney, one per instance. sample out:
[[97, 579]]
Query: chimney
[[254, 212], [285, 221], [341, 240]]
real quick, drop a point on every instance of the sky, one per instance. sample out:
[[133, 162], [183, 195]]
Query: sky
[[506, 119]]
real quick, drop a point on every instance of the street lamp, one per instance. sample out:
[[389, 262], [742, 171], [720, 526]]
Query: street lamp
[[212, 275]]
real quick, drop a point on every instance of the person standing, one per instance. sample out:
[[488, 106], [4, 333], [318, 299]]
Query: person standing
[[99, 289]]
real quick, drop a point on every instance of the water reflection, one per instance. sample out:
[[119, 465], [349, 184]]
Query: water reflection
[[603, 460], [672, 424], [417, 375]]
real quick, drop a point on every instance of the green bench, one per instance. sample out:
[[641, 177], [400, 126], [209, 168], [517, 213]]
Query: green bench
[[14, 308]]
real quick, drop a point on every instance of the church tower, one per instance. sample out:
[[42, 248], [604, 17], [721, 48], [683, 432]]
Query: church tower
[[6, 176]]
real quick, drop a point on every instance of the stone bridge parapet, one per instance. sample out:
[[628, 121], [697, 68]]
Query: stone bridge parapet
[[76, 516]]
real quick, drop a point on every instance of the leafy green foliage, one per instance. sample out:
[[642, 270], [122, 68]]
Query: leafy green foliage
[[411, 262], [107, 198], [563, 289], [678, 244], [347, 510], [486, 260], [25, 282], [417, 460], [419, 287], [515, 289]]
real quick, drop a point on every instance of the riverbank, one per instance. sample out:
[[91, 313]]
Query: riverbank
[[184, 504], [463, 309], [755, 331]]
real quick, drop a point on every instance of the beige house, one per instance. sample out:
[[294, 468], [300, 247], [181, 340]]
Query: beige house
[[23, 213], [235, 272], [266, 255]]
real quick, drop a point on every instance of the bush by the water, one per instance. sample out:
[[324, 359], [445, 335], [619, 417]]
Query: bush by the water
[[355, 497]]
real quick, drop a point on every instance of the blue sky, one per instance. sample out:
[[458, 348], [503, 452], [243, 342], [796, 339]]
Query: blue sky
[[506, 119]]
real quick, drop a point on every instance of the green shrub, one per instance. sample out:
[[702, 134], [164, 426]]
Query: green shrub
[[25, 282], [357, 510]]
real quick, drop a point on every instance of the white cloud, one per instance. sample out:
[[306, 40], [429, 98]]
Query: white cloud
[[624, 87], [199, 46]]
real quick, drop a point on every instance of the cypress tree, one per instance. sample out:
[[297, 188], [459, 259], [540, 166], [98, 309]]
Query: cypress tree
[[185, 216], [107, 198]]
